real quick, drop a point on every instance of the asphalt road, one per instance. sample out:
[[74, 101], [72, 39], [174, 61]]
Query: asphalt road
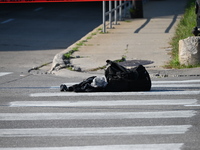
[[31, 34], [34, 114]]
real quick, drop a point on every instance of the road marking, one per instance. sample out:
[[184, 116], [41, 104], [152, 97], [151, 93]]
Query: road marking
[[176, 85], [102, 115], [99, 131], [102, 103], [6, 21], [173, 82], [154, 84], [158, 92], [192, 105], [38, 9], [170, 146], [4, 73]]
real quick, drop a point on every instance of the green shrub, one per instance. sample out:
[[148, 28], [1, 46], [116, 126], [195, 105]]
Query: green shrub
[[183, 30]]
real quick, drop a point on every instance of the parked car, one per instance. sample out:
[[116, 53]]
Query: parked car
[[196, 31]]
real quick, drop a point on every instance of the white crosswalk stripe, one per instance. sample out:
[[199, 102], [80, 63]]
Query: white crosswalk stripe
[[104, 131], [156, 82], [4, 73], [111, 131], [177, 85], [56, 94], [103, 103], [183, 83], [177, 82], [158, 88], [171, 146], [102, 115]]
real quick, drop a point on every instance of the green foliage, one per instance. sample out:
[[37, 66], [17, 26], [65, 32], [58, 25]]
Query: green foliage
[[89, 37], [183, 30], [69, 54]]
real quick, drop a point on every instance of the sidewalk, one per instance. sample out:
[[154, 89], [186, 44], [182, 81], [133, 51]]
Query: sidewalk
[[144, 41]]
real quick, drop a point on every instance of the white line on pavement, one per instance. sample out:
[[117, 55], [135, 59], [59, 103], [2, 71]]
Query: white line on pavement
[[99, 131], [38, 9], [4, 73], [155, 82], [153, 85], [102, 115], [176, 85], [192, 105], [173, 82], [158, 92], [170, 146], [6, 21], [102, 103]]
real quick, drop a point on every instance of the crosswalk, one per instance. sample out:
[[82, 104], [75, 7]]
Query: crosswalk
[[38, 100]]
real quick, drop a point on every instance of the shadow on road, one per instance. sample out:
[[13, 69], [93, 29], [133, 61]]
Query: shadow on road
[[46, 26]]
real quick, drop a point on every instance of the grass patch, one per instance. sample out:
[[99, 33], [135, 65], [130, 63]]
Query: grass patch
[[128, 21], [99, 29], [89, 37], [80, 43], [121, 60], [75, 48], [183, 30], [99, 68], [68, 55], [94, 34]]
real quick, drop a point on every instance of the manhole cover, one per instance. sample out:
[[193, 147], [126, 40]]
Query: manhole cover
[[135, 63]]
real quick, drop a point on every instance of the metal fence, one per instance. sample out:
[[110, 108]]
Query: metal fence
[[115, 13]]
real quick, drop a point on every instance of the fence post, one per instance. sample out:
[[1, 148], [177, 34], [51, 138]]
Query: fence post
[[104, 16], [120, 11], [110, 14], [115, 12], [125, 7]]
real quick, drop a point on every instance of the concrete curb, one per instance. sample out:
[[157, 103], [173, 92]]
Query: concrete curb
[[58, 60]]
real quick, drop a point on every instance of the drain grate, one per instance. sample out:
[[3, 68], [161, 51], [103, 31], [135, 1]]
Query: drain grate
[[135, 63]]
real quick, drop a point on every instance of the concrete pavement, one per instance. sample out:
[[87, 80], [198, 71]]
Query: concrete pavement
[[144, 41]]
